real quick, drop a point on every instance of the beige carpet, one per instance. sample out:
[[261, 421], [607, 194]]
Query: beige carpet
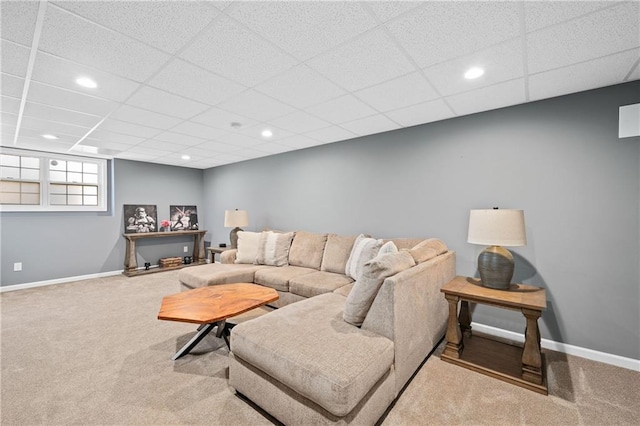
[[93, 353]]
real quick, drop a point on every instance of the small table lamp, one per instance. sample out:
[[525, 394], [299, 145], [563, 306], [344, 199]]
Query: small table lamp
[[235, 219], [496, 228]]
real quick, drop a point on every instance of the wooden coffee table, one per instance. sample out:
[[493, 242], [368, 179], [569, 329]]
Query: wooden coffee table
[[212, 306]]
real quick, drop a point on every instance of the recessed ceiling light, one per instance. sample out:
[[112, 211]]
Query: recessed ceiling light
[[474, 72], [266, 133], [49, 136], [186, 157], [87, 82]]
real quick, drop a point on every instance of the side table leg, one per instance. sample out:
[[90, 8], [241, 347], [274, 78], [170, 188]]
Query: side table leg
[[130, 258], [465, 318], [531, 355], [454, 345]]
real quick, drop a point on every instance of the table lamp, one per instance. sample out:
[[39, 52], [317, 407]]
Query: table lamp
[[496, 228], [235, 219]]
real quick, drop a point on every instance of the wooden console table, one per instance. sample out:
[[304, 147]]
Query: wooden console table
[[130, 257], [520, 366]]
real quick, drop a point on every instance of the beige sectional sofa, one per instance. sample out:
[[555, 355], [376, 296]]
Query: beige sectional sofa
[[356, 318]]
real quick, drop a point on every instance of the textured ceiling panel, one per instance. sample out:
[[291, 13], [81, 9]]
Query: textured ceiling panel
[[207, 78]]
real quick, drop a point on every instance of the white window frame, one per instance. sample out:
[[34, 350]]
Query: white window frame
[[45, 206]]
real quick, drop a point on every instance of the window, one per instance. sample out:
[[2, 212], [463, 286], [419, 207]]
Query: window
[[35, 181]]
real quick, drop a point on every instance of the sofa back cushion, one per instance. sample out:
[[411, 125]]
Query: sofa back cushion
[[307, 249], [364, 249], [336, 253], [427, 249], [366, 287], [273, 248], [247, 246]]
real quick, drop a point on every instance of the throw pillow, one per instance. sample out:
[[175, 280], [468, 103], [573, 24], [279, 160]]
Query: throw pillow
[[427, 249], [307, 249], [366, 287], [364, 249], [388, 247], [247, 246], [336, 253], [273, 248]]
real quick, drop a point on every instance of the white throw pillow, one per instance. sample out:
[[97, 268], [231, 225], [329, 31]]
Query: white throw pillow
[[364, 249], [273, 248], [388, 247], [247, 246]]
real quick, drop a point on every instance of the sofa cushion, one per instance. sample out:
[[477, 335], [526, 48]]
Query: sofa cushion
[[427, 249], [278, 278], [273, 248], [317, 283], [217, 273], [307, 249], [364, 249], [247, 246], [309, 348], [336, 253], [367, 285]]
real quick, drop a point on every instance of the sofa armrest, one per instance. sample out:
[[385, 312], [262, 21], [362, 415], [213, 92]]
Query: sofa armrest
[[410, 310], [228, 256]]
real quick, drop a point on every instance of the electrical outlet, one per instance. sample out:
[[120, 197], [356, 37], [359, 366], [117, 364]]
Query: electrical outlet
[[17, 266], [185, 249]]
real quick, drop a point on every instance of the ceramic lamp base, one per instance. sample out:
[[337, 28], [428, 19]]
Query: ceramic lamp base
[[233, 237], [495, 265]]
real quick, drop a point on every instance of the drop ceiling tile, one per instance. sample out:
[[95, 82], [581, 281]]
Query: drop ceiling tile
[[50, 127], [255, 131], [501, 63], [488, 98], [540, 14], [272, 148], [399, 92], [370, 125], [331, 134], [61, 73], [43, 145], [9, 105], [426, 112], [18, 21], [113, 137], [444, 30], [197, 130], [221, 119], [250, 153], [256, 106], [370, 59], [182, 78], [178, 139], [601, 33], [300, 87], [152, 152], [135, 156], [240, 141], [304, 29], [145, 118], [635, 75], [50, 113], [9, 119], [229, 158], [300, 142], [163, 146], [237, 53], [11, 86], [587, 75], [125, 128], [67, 99], [165, 25], [299, 122], [15, 59], [386, 10], [165, 103], [342, 109], [211, 148], [115, 146], [76, 39]]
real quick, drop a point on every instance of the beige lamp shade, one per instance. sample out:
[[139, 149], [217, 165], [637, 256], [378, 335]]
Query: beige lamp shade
[[497, 227], [235, 218]]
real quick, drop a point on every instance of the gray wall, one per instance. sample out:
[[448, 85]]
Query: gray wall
[[560, 160], [59, 245]]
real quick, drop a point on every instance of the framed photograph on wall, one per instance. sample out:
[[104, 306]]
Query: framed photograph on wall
[[183, 218], [140, 218]]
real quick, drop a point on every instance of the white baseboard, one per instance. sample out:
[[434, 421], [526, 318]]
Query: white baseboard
[[619, 361], [57, 281]]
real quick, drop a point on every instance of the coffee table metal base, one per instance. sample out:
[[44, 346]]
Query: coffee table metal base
[[224, 330]]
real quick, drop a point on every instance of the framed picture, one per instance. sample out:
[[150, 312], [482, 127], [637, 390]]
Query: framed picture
[[140, 218], [183, 218]]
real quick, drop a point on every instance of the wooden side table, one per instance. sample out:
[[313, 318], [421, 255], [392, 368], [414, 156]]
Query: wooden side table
[[216, 250], [522, 366]]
